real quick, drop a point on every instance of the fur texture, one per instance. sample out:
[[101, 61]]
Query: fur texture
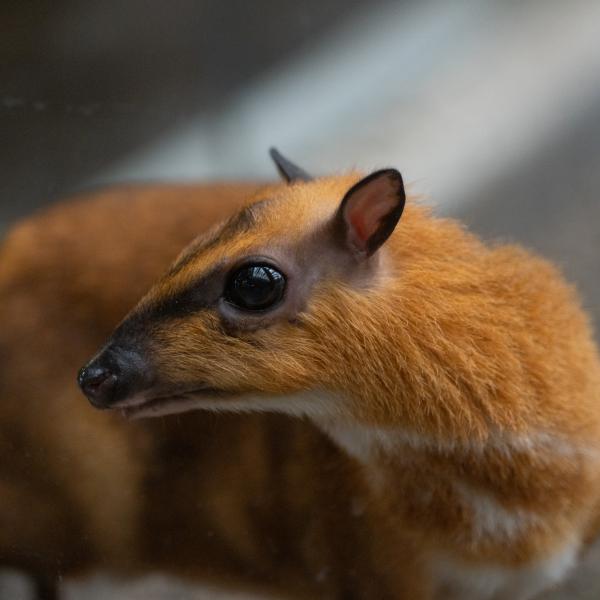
[[453, 390], [249, 500]]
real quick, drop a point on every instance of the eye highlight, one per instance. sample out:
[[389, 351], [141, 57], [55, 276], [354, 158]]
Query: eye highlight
[[255, 287]]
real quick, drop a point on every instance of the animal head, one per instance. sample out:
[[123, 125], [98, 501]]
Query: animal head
[[239, 321]]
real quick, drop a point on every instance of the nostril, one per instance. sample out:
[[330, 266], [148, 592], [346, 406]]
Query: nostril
[[113, 375], [97, 383]]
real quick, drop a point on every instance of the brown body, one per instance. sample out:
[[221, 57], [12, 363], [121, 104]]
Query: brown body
[[457, 421], [266, 499]]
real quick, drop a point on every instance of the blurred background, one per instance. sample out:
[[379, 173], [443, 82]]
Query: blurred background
[[489, 108]]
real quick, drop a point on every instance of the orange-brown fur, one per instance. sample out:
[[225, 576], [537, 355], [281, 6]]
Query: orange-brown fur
[[474, 365], [263, 499], [462, 344]]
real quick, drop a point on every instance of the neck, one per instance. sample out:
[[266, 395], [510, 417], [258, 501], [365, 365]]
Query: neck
[[475, 497]]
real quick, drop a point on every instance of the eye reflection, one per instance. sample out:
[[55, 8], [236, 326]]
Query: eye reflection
[[255, 287]]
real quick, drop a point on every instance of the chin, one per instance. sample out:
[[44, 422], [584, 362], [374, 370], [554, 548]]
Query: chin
[[147, 405]]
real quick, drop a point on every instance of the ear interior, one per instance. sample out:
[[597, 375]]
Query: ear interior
[[371, 209]]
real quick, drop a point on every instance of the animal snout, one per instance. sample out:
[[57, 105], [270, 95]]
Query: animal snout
[[98, 383], [112, 376]]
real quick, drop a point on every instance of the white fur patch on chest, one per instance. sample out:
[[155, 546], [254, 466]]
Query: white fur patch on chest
[[491, 520], [458, 581], [360, 441]]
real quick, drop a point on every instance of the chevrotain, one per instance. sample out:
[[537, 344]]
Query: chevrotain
[[407, 412], [218, 498]]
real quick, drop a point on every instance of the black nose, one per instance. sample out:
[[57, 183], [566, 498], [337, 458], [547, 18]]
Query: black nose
[[114, 375], [98, 383]]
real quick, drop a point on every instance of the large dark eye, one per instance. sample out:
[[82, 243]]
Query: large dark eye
[[255, 287]]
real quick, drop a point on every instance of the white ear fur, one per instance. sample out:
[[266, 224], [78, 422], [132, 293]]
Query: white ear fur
[[370, 211]]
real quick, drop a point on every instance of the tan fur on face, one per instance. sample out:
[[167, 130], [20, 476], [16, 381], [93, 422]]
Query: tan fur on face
[[280, 359]]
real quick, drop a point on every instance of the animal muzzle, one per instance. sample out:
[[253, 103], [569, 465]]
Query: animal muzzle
[[114, 377]]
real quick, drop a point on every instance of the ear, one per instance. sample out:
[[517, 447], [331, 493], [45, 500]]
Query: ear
[[370, 211], [287, 169]]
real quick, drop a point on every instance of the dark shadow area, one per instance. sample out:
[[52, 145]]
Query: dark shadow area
[[83, 83]]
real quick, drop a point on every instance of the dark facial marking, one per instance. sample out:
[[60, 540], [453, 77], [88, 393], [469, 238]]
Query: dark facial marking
[[240, 223], [200, 294]]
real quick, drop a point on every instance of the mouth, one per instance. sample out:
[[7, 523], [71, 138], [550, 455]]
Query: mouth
[[145, 406]]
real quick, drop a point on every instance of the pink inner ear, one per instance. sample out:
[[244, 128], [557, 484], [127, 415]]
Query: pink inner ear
[[366, 208]]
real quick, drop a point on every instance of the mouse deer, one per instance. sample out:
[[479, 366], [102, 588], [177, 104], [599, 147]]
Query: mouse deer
[[460, 381], [263, 502]]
